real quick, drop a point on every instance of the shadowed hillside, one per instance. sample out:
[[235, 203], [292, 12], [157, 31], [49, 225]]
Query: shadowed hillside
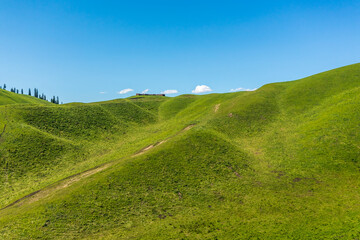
[[281, 162]]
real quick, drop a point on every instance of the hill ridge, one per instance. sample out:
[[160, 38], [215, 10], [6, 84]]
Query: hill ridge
[[281, 161]]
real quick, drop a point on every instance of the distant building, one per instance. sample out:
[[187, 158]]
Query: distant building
[[145, 94]]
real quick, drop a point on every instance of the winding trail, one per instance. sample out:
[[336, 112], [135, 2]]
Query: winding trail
[[68, 181]]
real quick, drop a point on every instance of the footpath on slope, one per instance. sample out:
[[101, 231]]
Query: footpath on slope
[[68, 181]]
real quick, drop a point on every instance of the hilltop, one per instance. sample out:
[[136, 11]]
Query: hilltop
[[281, 162], [7, 97]]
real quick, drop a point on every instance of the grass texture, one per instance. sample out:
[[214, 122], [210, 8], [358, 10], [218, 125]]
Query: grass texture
[[281, 162]]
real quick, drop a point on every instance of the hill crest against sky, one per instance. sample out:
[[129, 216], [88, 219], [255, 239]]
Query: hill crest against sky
[[87, 51], [281, 161]]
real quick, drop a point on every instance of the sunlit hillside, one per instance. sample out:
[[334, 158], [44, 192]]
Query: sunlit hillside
[[281, 162]]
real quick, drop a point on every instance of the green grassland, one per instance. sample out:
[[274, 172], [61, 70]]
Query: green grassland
[[281, 162], [7, 97]]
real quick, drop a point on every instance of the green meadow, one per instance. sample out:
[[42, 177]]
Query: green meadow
[[281, 162]]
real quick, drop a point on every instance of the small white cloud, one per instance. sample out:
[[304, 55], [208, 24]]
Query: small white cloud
[[124, 91], [242, 89], [169, 92], [102, 92], [201, 89], [236, 89], [145, 91]]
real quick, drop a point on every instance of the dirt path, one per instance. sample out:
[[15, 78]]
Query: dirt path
[[68, 181]]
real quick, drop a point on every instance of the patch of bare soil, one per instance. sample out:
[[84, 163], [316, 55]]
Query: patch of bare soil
[[216, 107], [187, 128], [142, 151]]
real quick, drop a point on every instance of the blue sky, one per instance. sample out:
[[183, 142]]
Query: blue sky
[[87, 51]]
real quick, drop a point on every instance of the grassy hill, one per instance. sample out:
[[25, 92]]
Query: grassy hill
[[7, 97], [281, 162]]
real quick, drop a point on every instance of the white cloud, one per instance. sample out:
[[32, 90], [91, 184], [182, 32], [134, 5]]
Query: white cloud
[[102, 92], [170, 91], [236, 89], [242, 89], [145, 91], [124, 91], [201, 89]]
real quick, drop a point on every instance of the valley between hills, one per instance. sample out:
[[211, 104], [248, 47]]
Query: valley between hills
[[281, 162]]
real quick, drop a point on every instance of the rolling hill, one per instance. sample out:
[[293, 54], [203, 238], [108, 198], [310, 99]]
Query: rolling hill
[[7, 97], [281, 162]]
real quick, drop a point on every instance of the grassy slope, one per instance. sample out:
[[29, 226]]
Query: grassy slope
[[7, 97], [280, 162]]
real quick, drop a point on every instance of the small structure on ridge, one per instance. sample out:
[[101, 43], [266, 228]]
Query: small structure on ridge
[[146, 94]]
